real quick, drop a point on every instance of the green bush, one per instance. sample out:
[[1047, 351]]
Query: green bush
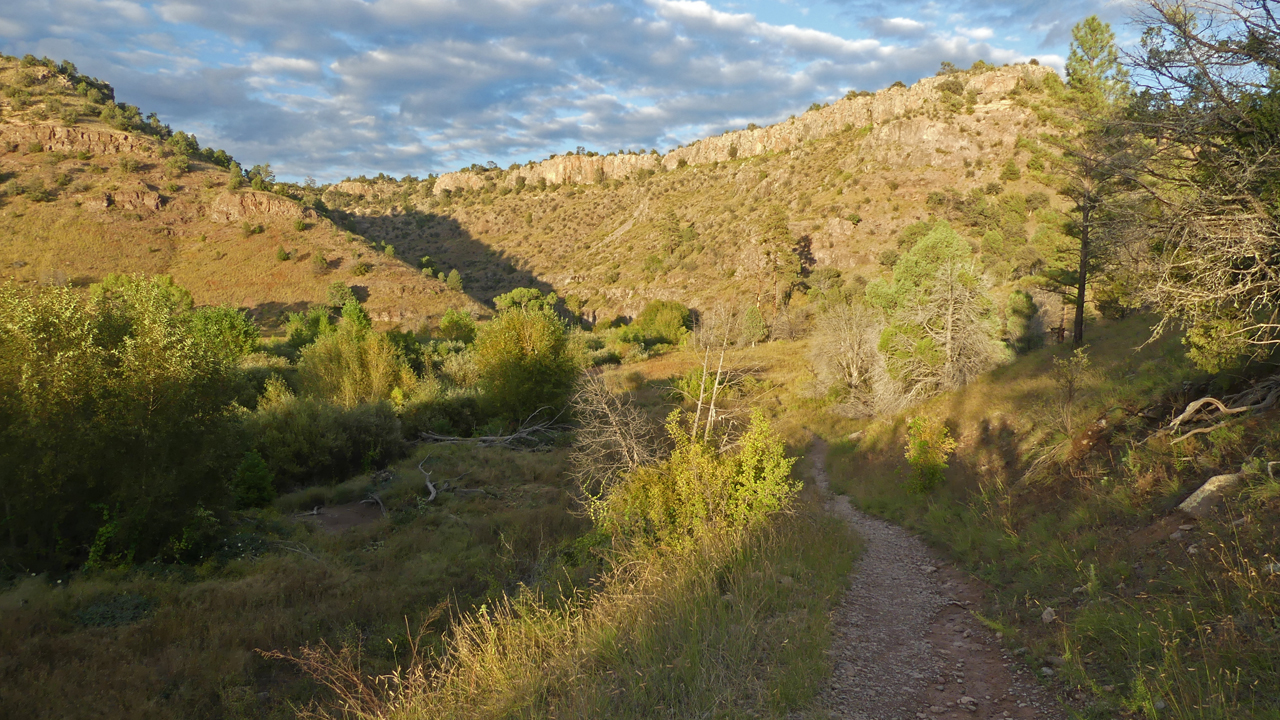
[[338, 294], [454, 280], [457, 325], [226, 329], [302, 329], [353, 366], [929, 446], [524, 362], [308, 440], [700, 489], [254, 484], [281, 253], [115, 416], [664, 321]]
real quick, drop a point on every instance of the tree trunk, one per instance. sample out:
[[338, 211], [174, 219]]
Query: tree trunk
[[1077, 335]]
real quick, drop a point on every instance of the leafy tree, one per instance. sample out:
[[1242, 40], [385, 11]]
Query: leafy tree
[[227, 329], [457, 326], [302, 329], [115, 416], [254, 484], [353, 366], [524, 361], [528, 298], [664, 321], [354, 315]]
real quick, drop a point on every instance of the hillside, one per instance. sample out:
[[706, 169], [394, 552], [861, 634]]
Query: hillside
[[81, 199], [612, 231]]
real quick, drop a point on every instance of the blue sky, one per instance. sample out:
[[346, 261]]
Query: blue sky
[[330, 88]]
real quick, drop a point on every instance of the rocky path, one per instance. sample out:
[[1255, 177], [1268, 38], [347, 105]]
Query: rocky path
[[906, 645]]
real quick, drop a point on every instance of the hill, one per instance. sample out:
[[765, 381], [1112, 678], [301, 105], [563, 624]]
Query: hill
[[613, 231], [89, 188]]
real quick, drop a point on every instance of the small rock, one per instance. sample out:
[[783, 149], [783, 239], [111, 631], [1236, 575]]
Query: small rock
[[928, 569], [967, 633], [1046, 671], [1186, 527], [1272, 568], [1108, 688], [1160, 705], [1056, 661], [966, 700], [1176, 535], [937, 709], [785, 580], [1048, 616]]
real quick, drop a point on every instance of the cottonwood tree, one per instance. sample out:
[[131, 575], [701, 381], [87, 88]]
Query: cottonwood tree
[[614, 438], [1209, 99]]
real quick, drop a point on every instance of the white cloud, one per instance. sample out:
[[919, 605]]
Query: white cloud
[[335, 87]]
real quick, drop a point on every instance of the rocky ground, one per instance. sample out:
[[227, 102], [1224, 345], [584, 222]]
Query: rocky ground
[[906, 644]]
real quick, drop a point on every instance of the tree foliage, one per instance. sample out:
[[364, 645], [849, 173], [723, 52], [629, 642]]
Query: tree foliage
[[524, 361], [115, 419]]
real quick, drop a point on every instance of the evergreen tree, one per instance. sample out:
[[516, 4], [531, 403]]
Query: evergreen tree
[[454, 280], [1096, 161]]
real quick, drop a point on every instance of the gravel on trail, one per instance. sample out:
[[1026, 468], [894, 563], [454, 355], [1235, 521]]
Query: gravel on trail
[[906, 645]]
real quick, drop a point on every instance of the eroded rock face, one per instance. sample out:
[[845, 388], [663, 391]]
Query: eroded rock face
[[137, 200], [232, 206], [56, 138], [910, 141]]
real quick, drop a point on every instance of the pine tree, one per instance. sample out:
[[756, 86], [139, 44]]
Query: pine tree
[[1096, 162], [454, 280], [1094, 72]]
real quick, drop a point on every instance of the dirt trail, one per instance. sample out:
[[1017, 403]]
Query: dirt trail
[[905, 644]]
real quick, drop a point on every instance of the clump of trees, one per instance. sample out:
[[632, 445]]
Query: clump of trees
[[131, 424]]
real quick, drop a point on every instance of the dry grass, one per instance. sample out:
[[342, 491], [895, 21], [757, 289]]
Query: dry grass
[[276, 585]]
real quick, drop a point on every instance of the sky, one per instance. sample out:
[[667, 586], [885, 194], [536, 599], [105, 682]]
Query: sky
[[335, 88]]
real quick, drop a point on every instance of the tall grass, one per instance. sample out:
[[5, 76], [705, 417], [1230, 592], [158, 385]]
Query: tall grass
[[735, 627]]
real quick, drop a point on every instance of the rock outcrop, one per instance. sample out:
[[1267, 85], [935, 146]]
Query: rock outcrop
[[137, 200], [232, 206], [911, 141], [56, 138]]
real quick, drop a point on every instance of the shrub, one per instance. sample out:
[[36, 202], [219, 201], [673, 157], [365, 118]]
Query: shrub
[[300, 225], [319, 263], [700, 489], [254, 483], [523, 361], [361, 268], [353, 366], [929, 446], [1010, 171], [227, 330], [281, 253], [454, 281], [457, 326], [338, 294], [302, 329], [664, 321], [307, 440]]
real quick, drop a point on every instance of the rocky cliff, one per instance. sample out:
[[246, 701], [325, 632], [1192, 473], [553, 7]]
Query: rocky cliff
[[897, 134]]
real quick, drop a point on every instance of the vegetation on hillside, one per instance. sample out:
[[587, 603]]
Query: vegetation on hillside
[[165, 468]]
